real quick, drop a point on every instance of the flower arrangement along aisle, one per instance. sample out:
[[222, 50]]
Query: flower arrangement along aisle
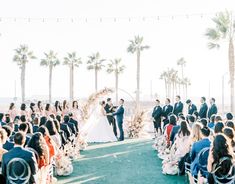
[[93, 98], [136, 124]]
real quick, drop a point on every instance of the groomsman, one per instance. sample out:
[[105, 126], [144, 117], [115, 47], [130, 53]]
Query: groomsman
[[203, 109], [178, 107], [213, 108], [167, 109], [191, 107], [156, 115]]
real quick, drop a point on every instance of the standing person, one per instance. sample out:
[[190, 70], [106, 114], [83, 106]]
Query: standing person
[[213, 108], [57, 108], [48, 110], [12, 111], [23, 110], [65, 108], [203, 109], [191, 107], [109, 108], [119, 117], [19, 152], [77, 112], [178, 107], [156, 115], [167, 109], [39, 109]]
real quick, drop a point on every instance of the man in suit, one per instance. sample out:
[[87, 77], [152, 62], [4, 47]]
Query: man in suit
[[178, 107], [1, 119], [213, 108], [191, 107], [19, 152], [70, 125], [9, 144], [156, 115], [119, 116], [65, 128], [109, 108], [24, 128], [203, 109], [75, 122], [166, 110]]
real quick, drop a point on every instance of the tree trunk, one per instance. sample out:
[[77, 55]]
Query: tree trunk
[[138, 79], [231, 72], [96, 80], [50, 82], [71, 82], [23, 81], [166, 87], [186, 91], [116, 86]]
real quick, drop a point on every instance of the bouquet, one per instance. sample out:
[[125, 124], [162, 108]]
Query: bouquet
[[63, 164]]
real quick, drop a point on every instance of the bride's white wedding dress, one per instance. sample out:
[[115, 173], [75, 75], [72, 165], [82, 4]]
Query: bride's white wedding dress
[[97, 129]]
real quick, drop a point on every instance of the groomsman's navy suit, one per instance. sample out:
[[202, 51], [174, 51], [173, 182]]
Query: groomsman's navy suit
[[178, 108], [157, 114], [166, 110], [119, 116], [203, 111], [28, 156], [212, 110], [191, 109]]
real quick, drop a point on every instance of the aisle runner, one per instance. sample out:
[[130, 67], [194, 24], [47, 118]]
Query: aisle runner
[[131, 161]]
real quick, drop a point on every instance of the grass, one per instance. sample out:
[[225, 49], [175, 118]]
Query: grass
[[131, 161]]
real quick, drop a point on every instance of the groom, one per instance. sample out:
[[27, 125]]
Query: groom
[[119, 116], [109, 108]]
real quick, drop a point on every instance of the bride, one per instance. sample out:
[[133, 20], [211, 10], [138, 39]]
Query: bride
[[97, 128]]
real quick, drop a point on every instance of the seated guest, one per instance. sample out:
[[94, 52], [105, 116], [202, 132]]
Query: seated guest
[[70, 125], [172, 122], [219, 128], [196, 115], [38, 143], [191, 120], [218, 119], [3, 137], [9, 143], [220, 161], [198, 146], [43, 120], [229, 133], [72, 120], [182, 140], [176, 128], [23, 119], [229, 117], [230, 124], [35, 124], [55, 136], [24, 128], [19, 152], [16, 123], [30, 130], [1, 119], [211, 125], [204, 122], [61, 132], [191, 107], [203, 109], [64, 127]]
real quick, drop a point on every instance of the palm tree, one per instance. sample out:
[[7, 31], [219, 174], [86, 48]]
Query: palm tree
[[21, 57], [224, 30], [114, 66], [186, 82], [50, 61], [181, 62], [136, 46], [164, 76], [72, 61], [95, 63]]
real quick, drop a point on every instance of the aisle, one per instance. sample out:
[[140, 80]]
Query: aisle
[[131, 161]]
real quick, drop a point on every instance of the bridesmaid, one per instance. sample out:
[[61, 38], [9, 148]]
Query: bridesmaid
[[65, 107], [58, 108], [39, 109], [12, 111], [76, 111], [48, 110], [23, 110], [32, 109]]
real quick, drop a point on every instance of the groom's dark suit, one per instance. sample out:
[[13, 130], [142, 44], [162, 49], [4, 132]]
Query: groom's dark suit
[[119, 115], [111, 119]]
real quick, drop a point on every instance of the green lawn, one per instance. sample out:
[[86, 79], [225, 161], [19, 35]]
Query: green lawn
[[132, 161]]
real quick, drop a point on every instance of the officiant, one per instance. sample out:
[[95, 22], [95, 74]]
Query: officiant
[[109, 108]]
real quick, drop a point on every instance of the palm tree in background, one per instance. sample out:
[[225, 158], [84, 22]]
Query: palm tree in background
[[72, 61], [95, 63], [186, 82], [50, 61], [116, 67], [136, 46], [181, 62], [21, 57], [224, 30]]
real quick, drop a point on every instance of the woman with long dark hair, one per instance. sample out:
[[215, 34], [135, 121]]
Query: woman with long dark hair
[[39, 109], [48, 110], [55, 136], [57, 108], [23, 110], [76, 111], [220, 160], [229, 132], [65, 109]]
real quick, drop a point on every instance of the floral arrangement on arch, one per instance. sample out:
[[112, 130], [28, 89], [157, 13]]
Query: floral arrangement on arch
[[136, 124], [93, 98]]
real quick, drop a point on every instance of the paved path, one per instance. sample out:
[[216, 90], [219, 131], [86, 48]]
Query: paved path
[[130, 162]]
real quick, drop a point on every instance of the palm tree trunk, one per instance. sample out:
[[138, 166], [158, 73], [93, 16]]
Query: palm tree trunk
[[50, 82], [23, 81], [71, 86], [96, 80], [231, 71], [186, 91], [165, 87], [138, 79], [116, 86]]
